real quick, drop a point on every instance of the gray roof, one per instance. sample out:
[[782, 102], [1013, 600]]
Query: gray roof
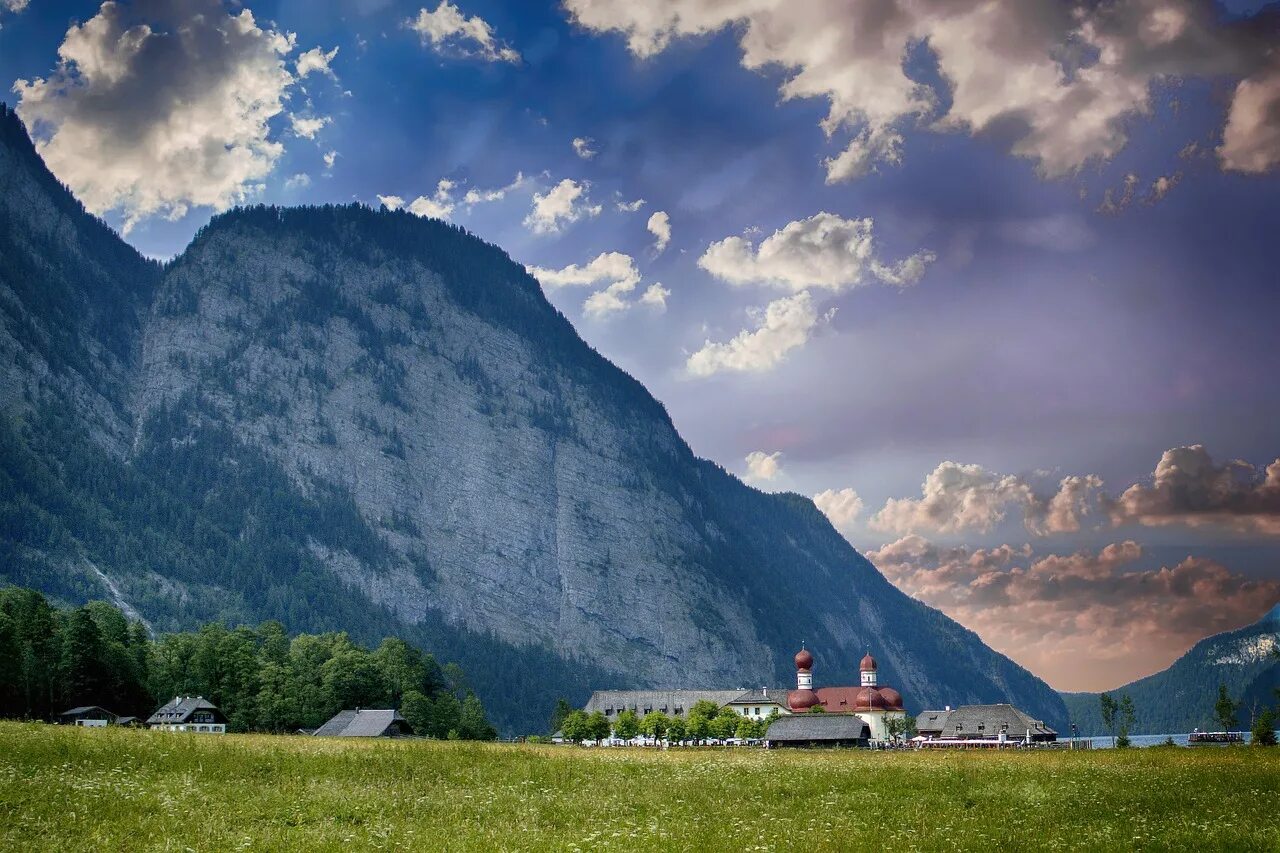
[[84, 709], [364, 723], [669, 702], [764, 696], [818, 727], [992, 719], [180, 709]]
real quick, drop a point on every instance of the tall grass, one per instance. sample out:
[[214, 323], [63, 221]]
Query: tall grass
[[71, 789]]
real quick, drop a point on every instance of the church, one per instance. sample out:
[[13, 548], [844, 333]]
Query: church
[[871, 702]]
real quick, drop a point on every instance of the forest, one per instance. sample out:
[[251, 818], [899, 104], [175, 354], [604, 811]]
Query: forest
[[263, 679]]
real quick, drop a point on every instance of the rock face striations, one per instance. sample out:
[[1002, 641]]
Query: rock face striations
[[350, 419]]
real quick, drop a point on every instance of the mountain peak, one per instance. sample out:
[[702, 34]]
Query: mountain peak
[[1272, 615]]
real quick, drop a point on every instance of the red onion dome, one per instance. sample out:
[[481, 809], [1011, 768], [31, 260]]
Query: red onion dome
[[868, 663], [801, 700], [870, 699], [892, 698], [804, 660]]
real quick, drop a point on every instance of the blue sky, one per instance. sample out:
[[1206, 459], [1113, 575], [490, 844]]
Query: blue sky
[[1070, 275]]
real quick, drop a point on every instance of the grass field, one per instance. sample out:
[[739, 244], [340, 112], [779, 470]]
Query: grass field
[[109, 789]]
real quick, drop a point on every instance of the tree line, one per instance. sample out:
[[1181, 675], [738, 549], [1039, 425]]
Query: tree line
[[52, 659], [1118, 716]]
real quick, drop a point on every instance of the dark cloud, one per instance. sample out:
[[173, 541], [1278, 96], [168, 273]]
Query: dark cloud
[[1188, 489]]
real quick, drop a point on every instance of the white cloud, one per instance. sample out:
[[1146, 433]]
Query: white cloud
[[1251, 139], [298, 181], [782, 326], [14, 6], [611, 300], [439, 204], [330, 157], [659, 226], [762, 467], [616, 272], [655, 296], [583, 146], [605, 267], [1162, 186], [1113, 202], [1057, 82], [561, 205], [308, 126], [824, 250], [954, 497], [630, 206], [864, 154], [448, 28], [316, 60], [157, 107], [842, 507], [475, 196]]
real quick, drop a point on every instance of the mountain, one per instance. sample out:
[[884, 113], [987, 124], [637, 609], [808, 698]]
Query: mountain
[[365, 420], [1182, 697]]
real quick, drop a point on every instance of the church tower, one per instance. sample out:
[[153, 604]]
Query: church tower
[[868, 667]]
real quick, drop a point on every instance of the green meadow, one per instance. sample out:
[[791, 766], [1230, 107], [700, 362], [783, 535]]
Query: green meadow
[[69, 789]]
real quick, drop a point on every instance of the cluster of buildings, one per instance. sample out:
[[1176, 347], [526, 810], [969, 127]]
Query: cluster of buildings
[[199, 715], [865, 714]]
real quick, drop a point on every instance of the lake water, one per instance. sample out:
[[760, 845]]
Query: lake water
[[1142, 740]]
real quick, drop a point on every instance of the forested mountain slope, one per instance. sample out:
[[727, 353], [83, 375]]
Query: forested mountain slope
[[346, 418], [1182, 697]]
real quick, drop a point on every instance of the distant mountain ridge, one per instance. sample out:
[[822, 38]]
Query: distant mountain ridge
[[1181, 698], [354, 419]]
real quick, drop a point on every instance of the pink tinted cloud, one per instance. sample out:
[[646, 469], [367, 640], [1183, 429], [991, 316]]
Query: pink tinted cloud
[[1082, 621]]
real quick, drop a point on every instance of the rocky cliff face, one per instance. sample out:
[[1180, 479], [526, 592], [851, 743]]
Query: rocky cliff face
[[349, 418]]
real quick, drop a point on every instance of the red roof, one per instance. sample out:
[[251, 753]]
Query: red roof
[[836, 699], [804, 660], [802, 700]]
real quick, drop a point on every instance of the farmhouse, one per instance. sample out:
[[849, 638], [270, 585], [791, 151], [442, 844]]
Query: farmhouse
[[189, 714], [761, 704], [88, 716], [808, 730], [365, 723], [1000, 723]]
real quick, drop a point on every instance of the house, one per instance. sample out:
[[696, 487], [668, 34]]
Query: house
[[365, 723], [673, 703], [761, 704], [1002, 723], [189, 714], [818, 730], [88, 716]]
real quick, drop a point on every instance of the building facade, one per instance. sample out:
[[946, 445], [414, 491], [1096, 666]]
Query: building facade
[[189, 714], [1000, 723]]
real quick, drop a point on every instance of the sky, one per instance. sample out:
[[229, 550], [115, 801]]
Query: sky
[[995, 282]]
